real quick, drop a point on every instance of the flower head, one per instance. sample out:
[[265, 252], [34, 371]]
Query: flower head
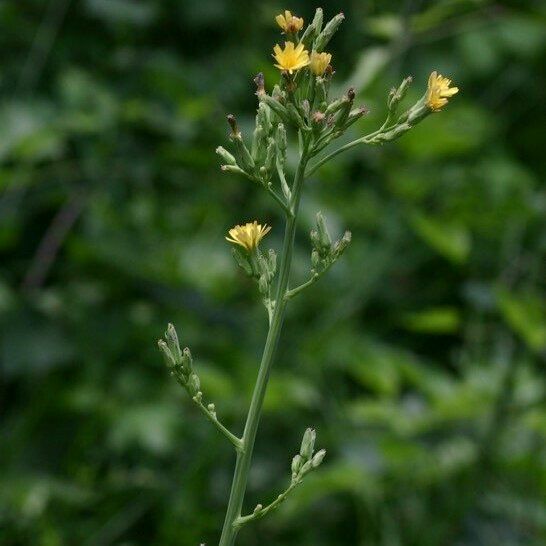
[[288, 22], [291, 57], [438, 91], [249, 235], [319, 62]]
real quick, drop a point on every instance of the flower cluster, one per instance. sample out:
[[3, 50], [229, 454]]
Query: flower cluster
[[301, 100]]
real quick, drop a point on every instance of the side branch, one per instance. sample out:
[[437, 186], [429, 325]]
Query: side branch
[[180, 364], [260, 512], [295, 291], [210, 413]]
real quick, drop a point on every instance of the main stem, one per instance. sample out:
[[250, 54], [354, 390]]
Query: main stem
[[244, 457]]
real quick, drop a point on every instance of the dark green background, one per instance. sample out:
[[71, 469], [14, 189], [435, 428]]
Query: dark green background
[[419, 358]]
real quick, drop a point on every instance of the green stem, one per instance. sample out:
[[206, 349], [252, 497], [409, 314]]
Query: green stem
[[295, 291], [244, 457], [367, 139], [237, 442], [243, 520]]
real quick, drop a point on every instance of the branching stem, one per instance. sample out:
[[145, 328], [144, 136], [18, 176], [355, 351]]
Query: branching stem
[[237, 442], [244, 457]]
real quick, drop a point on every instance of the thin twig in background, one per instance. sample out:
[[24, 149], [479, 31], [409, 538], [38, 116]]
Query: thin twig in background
[[53, 240], [42, 45]]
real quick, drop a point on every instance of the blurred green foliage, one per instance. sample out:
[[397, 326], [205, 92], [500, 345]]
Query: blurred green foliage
[[419, 358]]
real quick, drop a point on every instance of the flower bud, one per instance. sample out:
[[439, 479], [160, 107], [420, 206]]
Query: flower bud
[[193, 384], [324, 240], [345, 109], [329, 30], [242, 261], [270, 155], [272, 262], [167, 355], [341, 245], [243, 155], [297, 461], [263, 285], [226, 156], [187, 361], [317, 20], [263, 117], [306, 467], [308, 444], [232, 169], [295, 116], [318, 458], [281, 138], [172, 342], [397, 95], [355, 115], [276, 106], [259, 80], [258, 144], [233, 124]]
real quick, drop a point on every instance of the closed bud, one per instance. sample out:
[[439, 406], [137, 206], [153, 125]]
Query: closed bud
[[324, 240], [329, 30], [317, 20], [263, 117], [315, 259], [306, 468], [297, 461], [321, 92], [276, 106], [318, 458], [259, 80], [226, 156], [263, 285], [232, 169], [396, 95], [194, 384], [242, 261], [342, 244], [258, 144], [172, 342], [270, 155], [243, 155], [345, 109], [232, 121], [272, 262], [295, 116], [258, 508], [336, 105], [308, 444], [167, 355], [355, 115], [212, 409], [281, 138], [278, 94], [187, 361]]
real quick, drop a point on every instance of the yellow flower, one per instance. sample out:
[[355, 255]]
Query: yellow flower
[[319, 62], [249, 235], [290, 58], [438, 91], [288, 22]]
